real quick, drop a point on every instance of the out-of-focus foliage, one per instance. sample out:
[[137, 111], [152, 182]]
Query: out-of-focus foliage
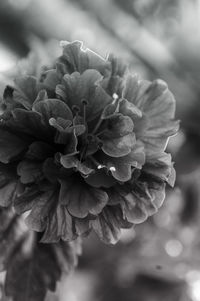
[[160, 259]]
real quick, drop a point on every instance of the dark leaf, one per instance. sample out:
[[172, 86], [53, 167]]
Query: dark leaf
[[32, 267], [36, 267]]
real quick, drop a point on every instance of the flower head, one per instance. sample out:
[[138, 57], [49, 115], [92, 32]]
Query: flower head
[[83, 147]]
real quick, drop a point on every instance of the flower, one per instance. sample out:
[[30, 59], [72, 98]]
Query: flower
[[83, 147]]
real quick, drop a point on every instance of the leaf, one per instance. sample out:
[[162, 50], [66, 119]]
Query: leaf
[[82, 200], [10, 146], [38, 272], [32, 268], [40, 268]]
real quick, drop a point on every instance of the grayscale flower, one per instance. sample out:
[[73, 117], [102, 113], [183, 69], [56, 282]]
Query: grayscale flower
[[83, 147]]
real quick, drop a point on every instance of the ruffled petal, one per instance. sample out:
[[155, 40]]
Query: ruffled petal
[[82, 200], [29, 171], [108, 225], [74, 58], [53, 108], [72, 162], [121, 168], [59, 225], [158, 108]]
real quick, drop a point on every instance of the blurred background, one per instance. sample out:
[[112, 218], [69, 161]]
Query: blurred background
[[160, 259]]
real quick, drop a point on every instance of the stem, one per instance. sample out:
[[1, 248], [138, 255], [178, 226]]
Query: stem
[[97, 126]]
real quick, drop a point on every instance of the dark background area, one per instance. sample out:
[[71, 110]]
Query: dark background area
[[160, 259]]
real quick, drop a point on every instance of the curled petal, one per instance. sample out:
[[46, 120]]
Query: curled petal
[[72, 162], [53, 108], [119, 147], [121, 168]]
